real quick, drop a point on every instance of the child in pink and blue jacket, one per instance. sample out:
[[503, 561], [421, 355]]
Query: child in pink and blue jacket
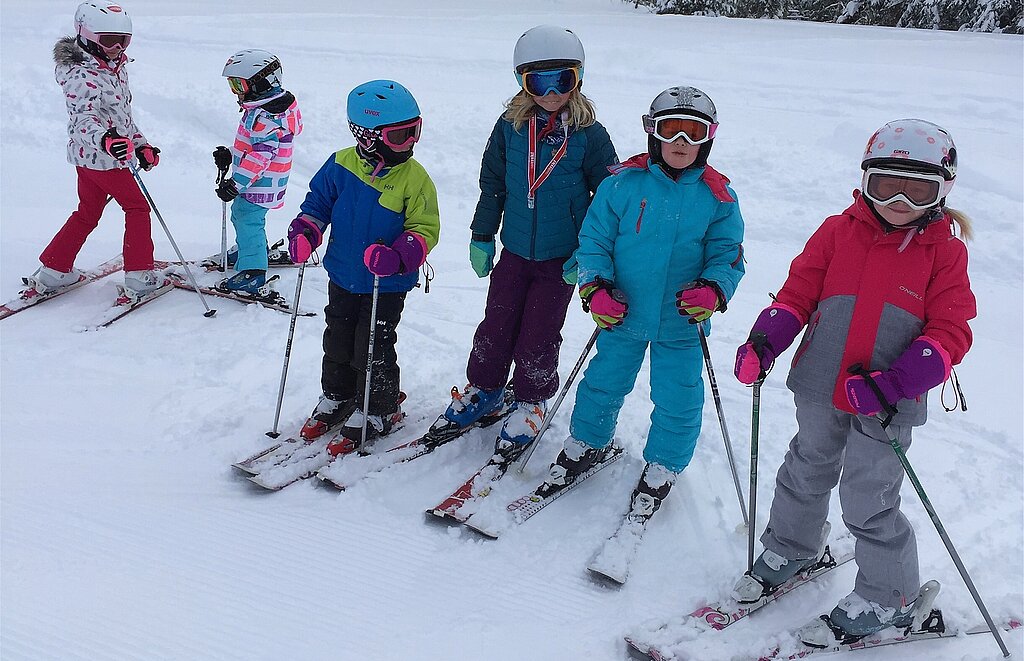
[[261, 160]]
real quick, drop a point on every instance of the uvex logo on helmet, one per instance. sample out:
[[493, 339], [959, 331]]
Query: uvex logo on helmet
[[114, 8]]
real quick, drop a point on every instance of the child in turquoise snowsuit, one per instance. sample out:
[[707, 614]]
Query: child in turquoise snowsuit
[[660, 250]]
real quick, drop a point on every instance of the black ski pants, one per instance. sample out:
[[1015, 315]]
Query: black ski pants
[[347, 340]]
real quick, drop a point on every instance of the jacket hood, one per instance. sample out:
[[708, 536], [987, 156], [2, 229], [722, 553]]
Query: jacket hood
[[67, 52]]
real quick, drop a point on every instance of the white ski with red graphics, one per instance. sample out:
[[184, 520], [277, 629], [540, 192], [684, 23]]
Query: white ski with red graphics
[[520, 510], [344, 474], [127, 302], [668, 640], [464, 501], [29, 297]]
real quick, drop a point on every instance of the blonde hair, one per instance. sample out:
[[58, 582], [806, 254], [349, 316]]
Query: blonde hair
[[521, 106], [962, 222]]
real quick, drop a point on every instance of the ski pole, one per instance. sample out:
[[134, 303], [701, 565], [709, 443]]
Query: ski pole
[[138, 178], [755, 422], [222, 157], [558, 402], [369, 357], [884, 419], [288, 351], [721, 420]]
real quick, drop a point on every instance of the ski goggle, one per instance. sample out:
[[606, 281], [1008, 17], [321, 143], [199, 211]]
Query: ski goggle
[[542, 81], [398, 137], [112, 40], [918, 190], [667, 128], [238, 85]]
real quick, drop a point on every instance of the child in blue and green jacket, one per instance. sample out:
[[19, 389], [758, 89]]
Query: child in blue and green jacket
[[543, 161], [663, 238], [382, 208]]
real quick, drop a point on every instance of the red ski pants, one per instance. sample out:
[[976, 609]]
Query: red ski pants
[[93, 188]]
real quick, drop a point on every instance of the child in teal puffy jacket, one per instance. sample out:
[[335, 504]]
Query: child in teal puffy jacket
[[661, 239]]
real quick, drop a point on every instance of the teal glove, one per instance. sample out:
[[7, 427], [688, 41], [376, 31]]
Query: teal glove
[[481, 256], [570, 270]]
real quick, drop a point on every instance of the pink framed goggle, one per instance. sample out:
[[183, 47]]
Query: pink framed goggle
[[111, 43], [398, 137]]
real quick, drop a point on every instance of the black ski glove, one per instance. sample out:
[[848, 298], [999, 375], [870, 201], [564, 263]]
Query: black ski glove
[[227, 190]]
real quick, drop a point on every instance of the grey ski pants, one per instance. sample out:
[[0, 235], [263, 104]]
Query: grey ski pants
[[832, 447]]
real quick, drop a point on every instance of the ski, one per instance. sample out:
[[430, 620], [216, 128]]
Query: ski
[[276, 258], [728, 611], [525, 507], [30, 297], [933, 627], [288, 462], [614, 559], [342, 475], [126, 303], [275, 302], [464, 501]]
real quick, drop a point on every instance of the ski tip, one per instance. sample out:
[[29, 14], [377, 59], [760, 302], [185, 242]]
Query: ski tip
[[606, 577]]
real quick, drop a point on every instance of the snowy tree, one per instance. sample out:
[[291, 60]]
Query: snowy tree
[[976, 15]]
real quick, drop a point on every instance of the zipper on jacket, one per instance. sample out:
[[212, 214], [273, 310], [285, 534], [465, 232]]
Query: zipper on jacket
[[640, 218]]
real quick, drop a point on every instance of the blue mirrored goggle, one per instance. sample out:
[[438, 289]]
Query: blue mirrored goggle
[[543, 81]]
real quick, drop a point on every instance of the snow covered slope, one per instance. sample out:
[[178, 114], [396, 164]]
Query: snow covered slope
[[125, 534]]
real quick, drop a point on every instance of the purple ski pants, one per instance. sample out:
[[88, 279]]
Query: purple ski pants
[[526, 306]]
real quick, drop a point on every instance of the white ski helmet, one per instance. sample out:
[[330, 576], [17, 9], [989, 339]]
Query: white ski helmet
[[259, 68], [547, 43], [95, 18], [912, 144], [684, 100]]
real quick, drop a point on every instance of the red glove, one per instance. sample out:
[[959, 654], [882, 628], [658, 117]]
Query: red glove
[[148, 155]]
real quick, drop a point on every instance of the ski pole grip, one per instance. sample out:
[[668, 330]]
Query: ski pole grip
[[759, 340], [857, 369]]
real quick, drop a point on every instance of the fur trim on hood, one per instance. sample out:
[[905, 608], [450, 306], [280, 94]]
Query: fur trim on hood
[[67, 52]]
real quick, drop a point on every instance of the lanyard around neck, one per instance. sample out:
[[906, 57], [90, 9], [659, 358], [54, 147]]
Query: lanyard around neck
[[532, 179]]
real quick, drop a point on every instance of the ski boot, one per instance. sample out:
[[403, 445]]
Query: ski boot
[[654, 484], [856, 617], [772, 570], [138, 285], [471, 404], [250, 284], [46, 280], [478, 407], [350, 439], [575, 459], [328, 413], [520, 429]]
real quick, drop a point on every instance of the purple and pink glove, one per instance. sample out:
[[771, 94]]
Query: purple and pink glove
[[304, 236], [698, 300], [924, 365], [406, 254], [605, 304], [775, 329]]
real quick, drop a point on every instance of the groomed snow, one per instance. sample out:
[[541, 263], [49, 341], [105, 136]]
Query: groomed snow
[[126, 534]]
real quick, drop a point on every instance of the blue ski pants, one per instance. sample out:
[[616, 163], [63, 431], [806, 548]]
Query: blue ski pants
[[677, 392], [250, 234]]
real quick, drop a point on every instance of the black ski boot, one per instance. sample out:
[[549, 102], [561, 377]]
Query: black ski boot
[[655, 483], [575, 459]]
